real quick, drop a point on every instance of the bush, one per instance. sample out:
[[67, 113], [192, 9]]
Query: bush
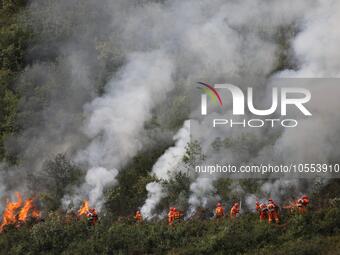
[[245, 235]]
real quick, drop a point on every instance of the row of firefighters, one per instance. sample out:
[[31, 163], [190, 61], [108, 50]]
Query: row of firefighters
[[269, 211]]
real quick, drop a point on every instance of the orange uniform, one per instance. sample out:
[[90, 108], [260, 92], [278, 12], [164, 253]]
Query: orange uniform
[[138, 216], [257, 206], [272, 212], [302, 204], [92, 217], [171, 215], [261, 208], [234, 211], [219, 211]]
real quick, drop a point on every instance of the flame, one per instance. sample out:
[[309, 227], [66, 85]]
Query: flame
[[9, 215], [84, 208], [35, 214], [12, 214], [26, 209]]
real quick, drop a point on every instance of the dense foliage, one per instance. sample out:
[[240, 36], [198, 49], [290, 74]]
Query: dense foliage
[[13, 42]]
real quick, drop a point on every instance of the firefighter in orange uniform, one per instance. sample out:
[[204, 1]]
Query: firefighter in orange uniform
[[302, 204], [171, 216], [92, 217], [263, 212], [219, 211], [234, 210], [277, 208], [261, 208], [138, 216], [273, 214], [257, 206]]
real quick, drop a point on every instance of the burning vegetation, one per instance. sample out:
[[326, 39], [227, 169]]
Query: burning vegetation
[[19, 212], [89, 213], [84, 208]]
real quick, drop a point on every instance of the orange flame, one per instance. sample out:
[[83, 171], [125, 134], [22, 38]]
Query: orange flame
[[35, 214], [11, 215], [84, 208], [26, 209]]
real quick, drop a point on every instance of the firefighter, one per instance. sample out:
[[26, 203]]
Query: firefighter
[[273, 202], [261, 208], [272, 212], [92, 217], [171, 216], [138, 216], [263, 212], [234, 210], [219, 211], [302, 204], [258, 206], [277, 208]]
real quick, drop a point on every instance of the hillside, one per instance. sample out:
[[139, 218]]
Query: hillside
[[97, 108]]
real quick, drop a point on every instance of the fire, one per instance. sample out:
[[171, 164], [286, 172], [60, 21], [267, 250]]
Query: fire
[[13, 216], [28, 207], [89, 213], [35, 213], [25, 210], [84, 208], [9, 216]]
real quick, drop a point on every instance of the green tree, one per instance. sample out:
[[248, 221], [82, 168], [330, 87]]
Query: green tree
[[57, 178]]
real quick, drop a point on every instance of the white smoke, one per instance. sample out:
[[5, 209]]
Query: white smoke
[[316, 139], [115, 120], [97, 179], [250, 201], [168, 164], [203, 193], [155, 195], [222, 39], [317, 46], [317, 50]]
